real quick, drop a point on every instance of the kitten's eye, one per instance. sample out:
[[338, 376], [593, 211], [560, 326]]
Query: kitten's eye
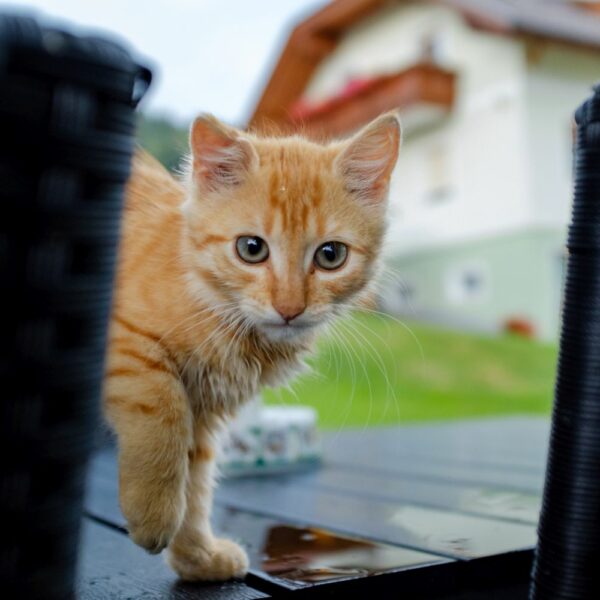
[[252, 249], [331, 255]]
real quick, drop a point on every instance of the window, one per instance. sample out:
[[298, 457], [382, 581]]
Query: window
[[440, 187], [467, 283]]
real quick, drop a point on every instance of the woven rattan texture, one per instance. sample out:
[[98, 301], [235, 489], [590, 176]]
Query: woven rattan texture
[[67, 121]]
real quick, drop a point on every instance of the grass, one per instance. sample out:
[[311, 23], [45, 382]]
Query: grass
[[372, 370]]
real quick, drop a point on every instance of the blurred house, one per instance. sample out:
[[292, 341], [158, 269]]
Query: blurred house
[[486, 91]]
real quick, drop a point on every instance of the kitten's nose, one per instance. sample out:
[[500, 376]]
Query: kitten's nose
[[289, 311]]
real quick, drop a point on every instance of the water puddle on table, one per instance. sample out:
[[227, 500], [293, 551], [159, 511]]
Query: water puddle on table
[[311, 555]]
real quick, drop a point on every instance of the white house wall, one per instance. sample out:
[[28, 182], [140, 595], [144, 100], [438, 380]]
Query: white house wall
[[558, 81], [487, 181]]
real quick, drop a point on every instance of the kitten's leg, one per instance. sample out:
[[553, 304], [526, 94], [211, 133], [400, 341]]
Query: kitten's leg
[[150, 413], [195, 553]]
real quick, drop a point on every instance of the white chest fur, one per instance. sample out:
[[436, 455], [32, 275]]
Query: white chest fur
[[222, 386]]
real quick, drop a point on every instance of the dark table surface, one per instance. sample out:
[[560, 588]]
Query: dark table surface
[[421, 511]]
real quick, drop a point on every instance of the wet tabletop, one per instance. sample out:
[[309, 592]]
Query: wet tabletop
[[423, 505]]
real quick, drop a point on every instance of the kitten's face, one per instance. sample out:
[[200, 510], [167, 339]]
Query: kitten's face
[[285, 233]]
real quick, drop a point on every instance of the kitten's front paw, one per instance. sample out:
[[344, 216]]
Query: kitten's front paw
[[152, 536], [224, 560], [152, 520]]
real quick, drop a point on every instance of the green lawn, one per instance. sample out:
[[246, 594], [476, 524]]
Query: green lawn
[[372, 370]]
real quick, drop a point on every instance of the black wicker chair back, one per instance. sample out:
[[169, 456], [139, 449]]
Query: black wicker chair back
[[568, 554], [67, 121]]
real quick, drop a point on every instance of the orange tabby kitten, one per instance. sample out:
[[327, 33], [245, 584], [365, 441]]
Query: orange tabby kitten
[[223, 283]]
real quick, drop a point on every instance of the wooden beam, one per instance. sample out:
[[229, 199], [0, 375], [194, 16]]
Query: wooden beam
[[422, 83]]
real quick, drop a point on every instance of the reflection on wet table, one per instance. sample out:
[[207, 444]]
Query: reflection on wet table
[[303, 555]]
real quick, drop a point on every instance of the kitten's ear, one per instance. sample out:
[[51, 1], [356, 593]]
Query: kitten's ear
[[221, 155], [368, 160]]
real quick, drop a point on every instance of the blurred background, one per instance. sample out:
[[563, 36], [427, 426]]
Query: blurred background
[[468, 318]]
